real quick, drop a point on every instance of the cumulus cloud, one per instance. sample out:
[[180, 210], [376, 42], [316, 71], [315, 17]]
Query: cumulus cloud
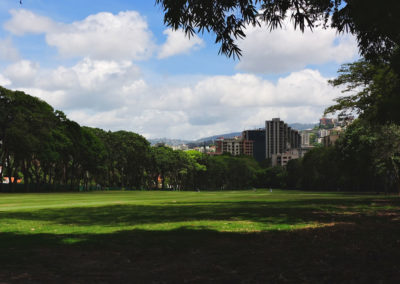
[[26, 22], [22, 73], [97, 85], [105, 36], [105, 89], [7, 50], [4, 81], [177, 42], [287, 49], [232, 103], [220, 104], [115, 95]]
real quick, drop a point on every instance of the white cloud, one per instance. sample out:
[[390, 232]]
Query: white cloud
[[89, 84], [92, 74], [103, 36], [114, 95], [4, 81], [177, 43], [287, 49], [56, 98], [104, 88], [221, 104], [22, 73], [7, 50], [25, 22]]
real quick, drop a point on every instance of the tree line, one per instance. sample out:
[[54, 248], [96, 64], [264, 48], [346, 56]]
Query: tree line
[[365, 158], [367, 155], [45, 151]]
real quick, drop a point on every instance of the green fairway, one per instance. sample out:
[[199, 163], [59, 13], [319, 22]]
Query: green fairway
[[240, 236]]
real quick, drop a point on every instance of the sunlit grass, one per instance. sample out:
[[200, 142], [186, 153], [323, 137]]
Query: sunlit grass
[[222, 237], [232, 211]]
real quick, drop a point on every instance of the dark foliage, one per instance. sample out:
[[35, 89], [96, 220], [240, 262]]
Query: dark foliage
[[376, 26], [44, 150], [365, 158]]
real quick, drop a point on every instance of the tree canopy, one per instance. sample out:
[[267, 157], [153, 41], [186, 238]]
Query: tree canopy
[[43, 149], [374, 91], [375, 24]]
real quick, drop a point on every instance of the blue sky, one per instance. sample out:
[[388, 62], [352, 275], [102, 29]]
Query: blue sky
[[114, 65]]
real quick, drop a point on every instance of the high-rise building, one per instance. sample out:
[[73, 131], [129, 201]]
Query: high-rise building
[[258, 138], [280, 140], [274, 137]]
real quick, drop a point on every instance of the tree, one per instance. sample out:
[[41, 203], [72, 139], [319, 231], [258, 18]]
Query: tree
[[318, 170], [231, 172], [161, 164], [376, 25], [198, 161], [370, 155], [128, 155], [374, 88], [25, 132], [91, 155], [365, 158], [216, 175], [294, 173], [355, 157], [387, 154]]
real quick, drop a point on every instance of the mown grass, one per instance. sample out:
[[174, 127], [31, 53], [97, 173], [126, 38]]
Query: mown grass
[[229, 236]]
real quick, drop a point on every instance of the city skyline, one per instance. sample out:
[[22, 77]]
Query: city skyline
[[116, 66]]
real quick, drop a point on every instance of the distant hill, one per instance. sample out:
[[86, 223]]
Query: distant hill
[[175, 142], [297, 126], [302, 126], [167, 141], [226, 135]]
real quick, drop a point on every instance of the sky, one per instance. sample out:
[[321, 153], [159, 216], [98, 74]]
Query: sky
[[114, 65]]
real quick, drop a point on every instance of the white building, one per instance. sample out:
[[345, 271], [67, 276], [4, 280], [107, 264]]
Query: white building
[[323, 132], [305, 138]]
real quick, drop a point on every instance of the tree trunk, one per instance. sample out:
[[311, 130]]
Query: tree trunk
[[162, 181]]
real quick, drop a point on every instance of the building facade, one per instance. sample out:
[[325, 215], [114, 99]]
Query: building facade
[[327, 122], [305, 138], [258, 138], [235, 146], [323, 132], [280, 141], [283, 158], [277, 142]]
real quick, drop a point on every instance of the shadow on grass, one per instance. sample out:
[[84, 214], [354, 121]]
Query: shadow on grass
[[360, 245], [273, 213], [340, 254]]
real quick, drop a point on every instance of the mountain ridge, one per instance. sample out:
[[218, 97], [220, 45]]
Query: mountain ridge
[[175, 142]]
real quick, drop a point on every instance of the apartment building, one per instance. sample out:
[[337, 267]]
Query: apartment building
[[280, 141], [235, 146]]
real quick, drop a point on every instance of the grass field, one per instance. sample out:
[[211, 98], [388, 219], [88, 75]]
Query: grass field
[[175, 237]]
